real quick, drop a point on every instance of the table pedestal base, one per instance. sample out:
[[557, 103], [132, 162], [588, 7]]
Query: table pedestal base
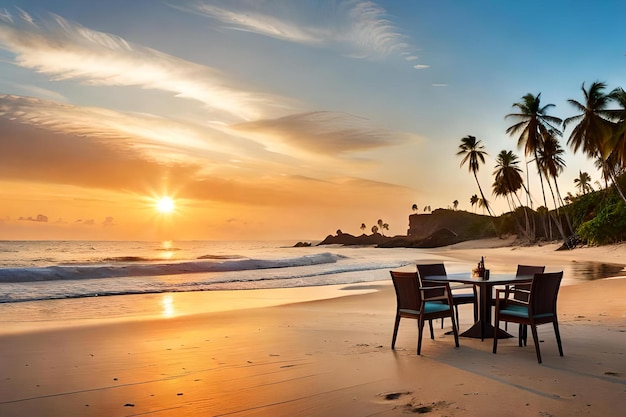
[[481, 330]]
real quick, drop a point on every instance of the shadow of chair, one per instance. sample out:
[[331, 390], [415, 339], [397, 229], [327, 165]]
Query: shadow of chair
[[421, 303], [458, 298], [540, 308]]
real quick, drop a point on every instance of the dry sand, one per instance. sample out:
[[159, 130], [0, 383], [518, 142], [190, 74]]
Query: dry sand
[[326, 353]]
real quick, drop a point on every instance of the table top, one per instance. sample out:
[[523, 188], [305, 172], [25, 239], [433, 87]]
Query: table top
[[467, 278]]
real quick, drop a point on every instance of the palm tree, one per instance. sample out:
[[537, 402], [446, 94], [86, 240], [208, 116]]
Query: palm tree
[[414, 207], [473, 154], [583, 182], [385, 226], [533, 125], [552, 165], [474, 201], [374, 230], [594, 129], [363, 226], [380, 225], [618, 140], [455, 204], [508, 181]]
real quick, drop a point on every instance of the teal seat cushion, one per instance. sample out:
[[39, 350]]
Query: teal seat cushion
[[434, 307], [520, 311], [429, 307]]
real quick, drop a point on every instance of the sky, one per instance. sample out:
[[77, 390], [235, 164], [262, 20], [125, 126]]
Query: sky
[[275, 119]]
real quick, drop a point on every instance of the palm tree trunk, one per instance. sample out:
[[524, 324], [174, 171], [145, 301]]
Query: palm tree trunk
[[546, 228], [562, 203]]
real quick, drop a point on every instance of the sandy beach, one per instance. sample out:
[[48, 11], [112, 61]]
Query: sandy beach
[[321, 351]]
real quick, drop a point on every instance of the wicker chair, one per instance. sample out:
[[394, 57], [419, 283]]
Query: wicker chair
[[520, 292], [458, 298], [421, 304], [540, 308]]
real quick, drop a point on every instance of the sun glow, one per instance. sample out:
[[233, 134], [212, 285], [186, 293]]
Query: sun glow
[[165, 205]]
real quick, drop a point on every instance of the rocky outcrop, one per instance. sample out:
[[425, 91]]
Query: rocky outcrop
[[463, 224], [348, 239], [439, 228]]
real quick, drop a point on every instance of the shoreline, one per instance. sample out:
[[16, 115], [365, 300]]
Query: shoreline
[[501, 256]]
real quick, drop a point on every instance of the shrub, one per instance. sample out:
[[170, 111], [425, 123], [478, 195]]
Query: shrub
[[608, 226]]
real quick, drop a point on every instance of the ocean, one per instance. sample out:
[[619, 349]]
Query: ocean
[[45, 270]]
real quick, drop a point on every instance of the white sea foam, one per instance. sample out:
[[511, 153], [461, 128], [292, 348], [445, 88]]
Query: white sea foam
[[54, 270]]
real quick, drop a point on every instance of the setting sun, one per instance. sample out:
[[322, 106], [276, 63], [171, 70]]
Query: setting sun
[[165, 205]]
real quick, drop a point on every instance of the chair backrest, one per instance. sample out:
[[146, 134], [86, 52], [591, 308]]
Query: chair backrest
[[543, 293], [523, 270], [407, 286], [529, 270], [429, 270]]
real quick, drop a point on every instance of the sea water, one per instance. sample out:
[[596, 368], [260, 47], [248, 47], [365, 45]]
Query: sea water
[[44, 270]]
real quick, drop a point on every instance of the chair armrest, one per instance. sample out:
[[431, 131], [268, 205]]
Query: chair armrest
[[499, 299], [442, 292]]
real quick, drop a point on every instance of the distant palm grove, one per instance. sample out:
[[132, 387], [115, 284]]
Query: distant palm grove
[[598, 131]]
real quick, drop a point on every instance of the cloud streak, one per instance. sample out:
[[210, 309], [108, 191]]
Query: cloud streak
[[360, 29], [66, 50], [323, 132]]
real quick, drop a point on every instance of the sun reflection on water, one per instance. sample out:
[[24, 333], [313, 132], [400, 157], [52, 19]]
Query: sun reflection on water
[[167, 250]]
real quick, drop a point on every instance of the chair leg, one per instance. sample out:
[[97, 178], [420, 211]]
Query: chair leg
[[432, 334], [495, 331], [456, 310], [420, 330], [455, 331], [533, 328], [442, 322], [558, 336], [521, 335], [395, 331]]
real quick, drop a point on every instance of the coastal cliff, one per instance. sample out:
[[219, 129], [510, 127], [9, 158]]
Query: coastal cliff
[[440, 228]]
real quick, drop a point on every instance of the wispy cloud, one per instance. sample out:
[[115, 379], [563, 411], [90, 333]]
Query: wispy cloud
[[66, 50], [360, 29], [154, 137], [327, 133], [421, 66]]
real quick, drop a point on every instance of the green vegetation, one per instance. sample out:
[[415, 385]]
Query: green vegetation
[[598, 131]]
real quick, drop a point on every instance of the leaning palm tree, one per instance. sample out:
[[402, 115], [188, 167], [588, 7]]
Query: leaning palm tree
[[533, 125], [474, 154], [583, 182], [594, 129]]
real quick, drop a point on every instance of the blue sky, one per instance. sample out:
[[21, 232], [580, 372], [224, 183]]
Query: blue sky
[[274, 119]]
